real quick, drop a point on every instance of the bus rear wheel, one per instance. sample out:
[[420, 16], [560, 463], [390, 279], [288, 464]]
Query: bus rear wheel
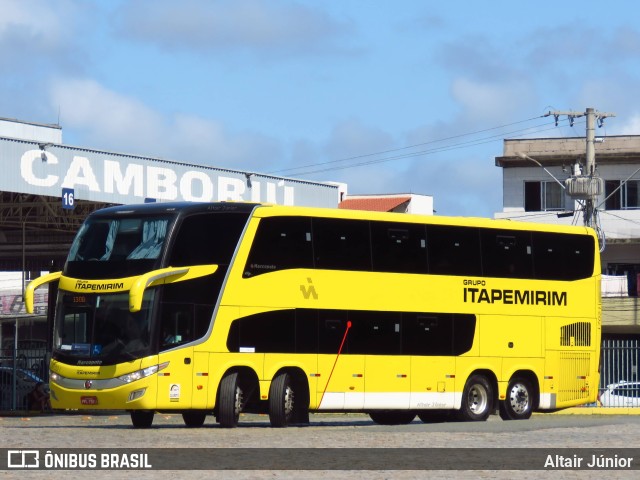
[[518, 404], [392, 417], [477, 399], [282, 401], [434, 416], [230, 401], [141, 418]]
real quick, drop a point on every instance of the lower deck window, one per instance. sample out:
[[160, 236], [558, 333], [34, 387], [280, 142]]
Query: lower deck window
[[371, 333]]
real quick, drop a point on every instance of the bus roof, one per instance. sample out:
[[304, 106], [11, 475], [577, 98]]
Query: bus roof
[[269, 210]]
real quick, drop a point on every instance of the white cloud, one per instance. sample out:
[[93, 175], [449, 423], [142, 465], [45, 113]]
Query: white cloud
[[33, 27], [255, 25], [490, 101], [631, 126], [117, 122], [104, 115]]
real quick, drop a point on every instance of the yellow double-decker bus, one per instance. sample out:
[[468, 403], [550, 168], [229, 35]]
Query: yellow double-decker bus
[[223, 308]]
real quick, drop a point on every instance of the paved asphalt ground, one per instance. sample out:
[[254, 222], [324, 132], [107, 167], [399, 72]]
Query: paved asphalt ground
[[552, 432]]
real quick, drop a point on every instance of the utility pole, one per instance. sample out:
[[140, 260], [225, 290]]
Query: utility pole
[[585, 185]]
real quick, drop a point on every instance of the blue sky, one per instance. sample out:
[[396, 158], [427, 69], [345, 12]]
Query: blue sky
[[332, 90]]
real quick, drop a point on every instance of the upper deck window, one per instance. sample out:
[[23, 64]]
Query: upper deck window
[[119, 239], [108, 247]]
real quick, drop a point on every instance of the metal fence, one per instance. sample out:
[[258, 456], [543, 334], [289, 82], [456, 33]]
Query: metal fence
[[619, 382], [21, 371]]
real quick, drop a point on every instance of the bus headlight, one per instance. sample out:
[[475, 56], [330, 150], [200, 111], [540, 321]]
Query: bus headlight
[[55, 377], [145, 372]]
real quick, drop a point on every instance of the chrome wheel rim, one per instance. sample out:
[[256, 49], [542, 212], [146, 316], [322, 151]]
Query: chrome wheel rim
[[477, 399], [519, 398], [237, 407], [288, 401]]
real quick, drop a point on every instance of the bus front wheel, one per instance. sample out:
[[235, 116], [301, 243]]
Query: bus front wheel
[[281, 400], [477, 399], [194, 419], [231, 398], [518, 404], [141, 418]]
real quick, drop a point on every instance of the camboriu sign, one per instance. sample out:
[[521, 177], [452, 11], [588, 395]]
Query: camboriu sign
[[101, 177]]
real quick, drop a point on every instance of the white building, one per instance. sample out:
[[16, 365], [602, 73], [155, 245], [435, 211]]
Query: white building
[[531, 193]]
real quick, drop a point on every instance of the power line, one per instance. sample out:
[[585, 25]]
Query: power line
[[466, 144], [404, 148]]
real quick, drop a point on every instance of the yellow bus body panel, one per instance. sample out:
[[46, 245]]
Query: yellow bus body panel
[[522, 325]]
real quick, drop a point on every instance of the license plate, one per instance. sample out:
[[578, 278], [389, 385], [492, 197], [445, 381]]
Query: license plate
[[89, 400]]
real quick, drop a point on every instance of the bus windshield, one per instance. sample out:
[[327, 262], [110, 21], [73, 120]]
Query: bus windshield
[[101, 327], [117, 246]]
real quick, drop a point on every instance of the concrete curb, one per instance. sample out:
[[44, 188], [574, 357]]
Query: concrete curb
[[595, 411]]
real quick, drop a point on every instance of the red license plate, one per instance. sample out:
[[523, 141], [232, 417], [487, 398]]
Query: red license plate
[[89, 400]]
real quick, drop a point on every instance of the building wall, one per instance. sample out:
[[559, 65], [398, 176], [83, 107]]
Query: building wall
[[36, 132], [100, 176], [617, 158]]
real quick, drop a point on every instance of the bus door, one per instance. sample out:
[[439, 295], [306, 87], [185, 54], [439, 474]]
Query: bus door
[[176, 387], [175, 383], [387, 371], [434, 340], [340, 380]]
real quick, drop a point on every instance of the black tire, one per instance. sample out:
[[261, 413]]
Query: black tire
[[477, 399], [282, 401], [519, 402], [194, 419], [230, 401], [141, 418], [434, 416], [399, 417]]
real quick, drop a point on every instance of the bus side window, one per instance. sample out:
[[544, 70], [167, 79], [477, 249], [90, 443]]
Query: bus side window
[[266, 332], [205, 239], [341, 244], [427, 334], [331, 329], [375, 333], [562, 257], [398, 247], [177, 326], [280, 243], [453, 250], [506, 253]]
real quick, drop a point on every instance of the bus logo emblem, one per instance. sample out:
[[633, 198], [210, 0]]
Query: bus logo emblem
[[88, 384], [309, 291]]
